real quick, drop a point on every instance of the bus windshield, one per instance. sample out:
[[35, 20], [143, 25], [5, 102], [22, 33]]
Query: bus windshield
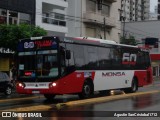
[[40, 64]]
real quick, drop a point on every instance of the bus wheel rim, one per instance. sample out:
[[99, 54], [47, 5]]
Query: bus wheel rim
[[87, 89]]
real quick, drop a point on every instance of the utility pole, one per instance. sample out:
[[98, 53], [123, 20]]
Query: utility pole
[[104, 28], [123, 18]]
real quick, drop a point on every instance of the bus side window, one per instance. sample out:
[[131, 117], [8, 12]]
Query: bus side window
[[79, 56], [104, 58], [140, 60], [70, 63], [147, 58], [116, 58], [92, 57]]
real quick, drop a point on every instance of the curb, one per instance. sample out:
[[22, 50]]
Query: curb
[[101, 99]]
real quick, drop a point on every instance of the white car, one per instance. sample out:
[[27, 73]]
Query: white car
[[6, 85]]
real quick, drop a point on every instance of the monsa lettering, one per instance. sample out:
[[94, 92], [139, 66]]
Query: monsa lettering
[[111, 74]]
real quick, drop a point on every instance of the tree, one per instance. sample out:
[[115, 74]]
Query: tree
[[10, 34], [129, 41]]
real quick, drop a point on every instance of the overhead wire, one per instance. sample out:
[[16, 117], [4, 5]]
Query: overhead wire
[[81, 20]]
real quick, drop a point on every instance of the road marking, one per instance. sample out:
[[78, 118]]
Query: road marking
[[102, 99], [81, 102], [30, 108], [19, 99]]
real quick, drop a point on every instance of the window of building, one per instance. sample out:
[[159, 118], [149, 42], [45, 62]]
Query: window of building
[[105, 9], [61, 19], [3, 16], [91, 5], [24, 18], [59, 16], [90, 32], [13, 17], [54, 18]]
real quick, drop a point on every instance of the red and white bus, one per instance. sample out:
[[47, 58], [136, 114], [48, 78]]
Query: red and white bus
[[64, 65]]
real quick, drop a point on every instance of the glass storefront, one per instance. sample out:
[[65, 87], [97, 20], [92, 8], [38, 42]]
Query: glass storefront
[[13, 17]]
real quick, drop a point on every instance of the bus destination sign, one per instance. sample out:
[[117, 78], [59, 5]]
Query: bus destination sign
[[39, 44]]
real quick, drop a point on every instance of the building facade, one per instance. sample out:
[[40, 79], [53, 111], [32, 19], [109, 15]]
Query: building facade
[[17, 11], [14, 12], [147, 35], [94, 18], [135, 10], [51, 15]]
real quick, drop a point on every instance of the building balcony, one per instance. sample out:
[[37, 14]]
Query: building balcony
[[61, 3], [53, 24], [95, 18]]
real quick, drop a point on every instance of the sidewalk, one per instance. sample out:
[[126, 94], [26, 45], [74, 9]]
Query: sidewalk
[[156, 78], [156, 81]]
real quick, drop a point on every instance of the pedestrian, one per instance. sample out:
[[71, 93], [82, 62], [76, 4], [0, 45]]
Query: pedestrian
[[14, 71], [14, 74]]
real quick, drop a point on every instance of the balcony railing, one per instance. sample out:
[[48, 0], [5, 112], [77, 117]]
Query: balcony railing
[[53, 21], [95, 18]]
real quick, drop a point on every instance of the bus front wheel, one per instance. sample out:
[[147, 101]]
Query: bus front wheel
[[49, 96], [87, 90]]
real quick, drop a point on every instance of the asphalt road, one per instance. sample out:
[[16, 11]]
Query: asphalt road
[[149, 102]]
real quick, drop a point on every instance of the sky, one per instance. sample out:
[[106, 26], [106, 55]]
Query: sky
[[153, 3]]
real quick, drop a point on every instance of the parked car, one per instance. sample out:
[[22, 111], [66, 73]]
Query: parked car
[[6, 86]]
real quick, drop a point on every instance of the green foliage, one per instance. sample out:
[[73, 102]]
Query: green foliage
[[10, 34], [129, 41]]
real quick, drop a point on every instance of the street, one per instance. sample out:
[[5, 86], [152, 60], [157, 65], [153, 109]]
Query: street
[[38, 104]]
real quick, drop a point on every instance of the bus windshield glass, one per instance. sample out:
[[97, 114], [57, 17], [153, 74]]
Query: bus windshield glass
[[38, 64]]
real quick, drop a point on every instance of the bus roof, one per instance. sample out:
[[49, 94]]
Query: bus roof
[[96, 39], [84, 40], [103, 41]]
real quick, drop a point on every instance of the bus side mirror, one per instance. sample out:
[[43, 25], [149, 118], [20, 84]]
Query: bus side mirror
[[68, 54]]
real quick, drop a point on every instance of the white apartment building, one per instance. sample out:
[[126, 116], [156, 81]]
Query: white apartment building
[[77, 18], [50, 15], [94, 18], [135, 10]]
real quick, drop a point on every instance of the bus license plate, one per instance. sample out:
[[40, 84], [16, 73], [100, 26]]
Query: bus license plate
[[35, 92]]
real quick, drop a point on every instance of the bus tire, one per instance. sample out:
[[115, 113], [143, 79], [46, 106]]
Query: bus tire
[[87, 90], [133, 88], [49, 96], [8, 90]]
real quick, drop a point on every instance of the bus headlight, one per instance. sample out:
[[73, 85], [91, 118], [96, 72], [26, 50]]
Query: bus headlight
[[52, 84], [21, 85]]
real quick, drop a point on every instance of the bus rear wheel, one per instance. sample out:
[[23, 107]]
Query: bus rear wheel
[[133, 88], [49, 96], [87, 90]]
